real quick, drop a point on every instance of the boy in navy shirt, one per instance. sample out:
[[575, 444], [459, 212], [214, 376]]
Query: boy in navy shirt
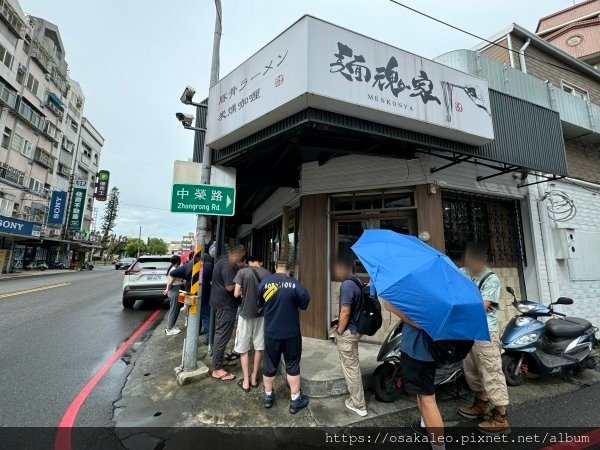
[[281, 297]]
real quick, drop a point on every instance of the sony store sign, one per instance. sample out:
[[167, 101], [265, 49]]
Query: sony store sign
[[316, 64]]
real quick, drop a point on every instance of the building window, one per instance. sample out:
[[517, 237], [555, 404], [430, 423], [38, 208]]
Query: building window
[[87, 151], [6, 137], [574, 90], [5, 57], [22, 145], [7, 204], [72, 123], [20, 77], [355, 213], [36, 185], [32, 84]]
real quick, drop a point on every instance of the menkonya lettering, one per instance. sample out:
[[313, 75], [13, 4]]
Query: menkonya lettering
[[387, 101]]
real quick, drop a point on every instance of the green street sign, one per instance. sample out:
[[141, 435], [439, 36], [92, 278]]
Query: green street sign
[[203, 199]]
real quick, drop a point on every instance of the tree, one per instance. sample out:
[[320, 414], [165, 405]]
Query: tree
[[133, 245], [109, 219], [157, 246]]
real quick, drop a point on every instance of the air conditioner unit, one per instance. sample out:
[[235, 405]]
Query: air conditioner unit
[[22, 68]]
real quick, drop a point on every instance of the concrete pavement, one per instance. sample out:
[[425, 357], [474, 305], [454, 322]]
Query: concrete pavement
[[57, 331], [152, 397]]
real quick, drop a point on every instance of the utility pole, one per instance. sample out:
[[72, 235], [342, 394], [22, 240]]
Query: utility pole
[[190, 368], [139, 242]]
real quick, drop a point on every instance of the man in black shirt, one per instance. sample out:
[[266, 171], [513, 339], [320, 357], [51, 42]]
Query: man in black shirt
[[225, 305], [281, 298]]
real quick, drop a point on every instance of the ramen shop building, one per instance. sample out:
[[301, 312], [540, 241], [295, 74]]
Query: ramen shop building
[[332, 133]]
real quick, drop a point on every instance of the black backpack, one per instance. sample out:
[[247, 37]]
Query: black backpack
[[451, 351], [370, 310]]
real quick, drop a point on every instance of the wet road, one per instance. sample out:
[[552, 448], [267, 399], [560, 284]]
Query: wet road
[[55, 337]]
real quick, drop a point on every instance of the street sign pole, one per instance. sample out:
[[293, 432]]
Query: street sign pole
[[190, 350]]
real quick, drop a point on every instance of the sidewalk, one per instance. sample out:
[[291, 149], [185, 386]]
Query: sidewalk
[[152, 397], [33, 273]]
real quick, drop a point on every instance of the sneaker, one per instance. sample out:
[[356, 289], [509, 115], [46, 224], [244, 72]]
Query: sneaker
[[172, 331], [298, 404], [268, 399], [418, 429], [495, 424], [362, 412], [479, 410]]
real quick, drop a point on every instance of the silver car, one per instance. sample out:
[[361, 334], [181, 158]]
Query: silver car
[[145, 279]]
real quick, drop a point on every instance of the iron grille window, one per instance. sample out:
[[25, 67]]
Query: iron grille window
[[493, 221]]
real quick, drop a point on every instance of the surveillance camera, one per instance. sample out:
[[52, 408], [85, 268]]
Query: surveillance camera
[[185, 119], [188, 95]]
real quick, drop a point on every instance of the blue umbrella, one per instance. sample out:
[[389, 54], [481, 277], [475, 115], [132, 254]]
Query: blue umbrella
[[424, 284]]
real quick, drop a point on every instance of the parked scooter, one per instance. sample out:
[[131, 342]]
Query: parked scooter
[[386, 381], [558, 345]]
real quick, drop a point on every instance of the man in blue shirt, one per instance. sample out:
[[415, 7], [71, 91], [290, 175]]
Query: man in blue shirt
[[281, 297], [417, 370], [347, 333]]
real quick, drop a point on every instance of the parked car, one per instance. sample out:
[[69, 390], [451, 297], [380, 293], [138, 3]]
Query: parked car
[[57, 265], [124, 263], [145, 279], [37, 265]]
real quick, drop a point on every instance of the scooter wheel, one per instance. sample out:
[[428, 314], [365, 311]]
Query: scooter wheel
[[509, 363], [386, 383]]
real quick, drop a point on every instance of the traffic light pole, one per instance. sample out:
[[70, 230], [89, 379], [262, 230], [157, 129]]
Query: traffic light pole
[[190, 369]]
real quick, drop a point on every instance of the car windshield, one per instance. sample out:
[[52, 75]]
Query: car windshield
[[153, 263]]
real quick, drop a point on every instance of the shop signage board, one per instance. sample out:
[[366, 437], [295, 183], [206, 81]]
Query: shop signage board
[[58, 205], [102, 185], [317, 64], [9, 225], [77, 207], [203, 199]]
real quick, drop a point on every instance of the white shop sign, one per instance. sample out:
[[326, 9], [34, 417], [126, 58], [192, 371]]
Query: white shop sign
[[316, 64]]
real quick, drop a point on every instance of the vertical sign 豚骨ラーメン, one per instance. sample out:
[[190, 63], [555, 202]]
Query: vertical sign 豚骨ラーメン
[[77, 205]]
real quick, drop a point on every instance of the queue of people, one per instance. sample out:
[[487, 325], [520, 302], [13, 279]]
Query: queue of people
[[266, 308]]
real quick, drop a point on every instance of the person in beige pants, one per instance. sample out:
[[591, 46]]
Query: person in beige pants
[[347, 335], [483, 365]]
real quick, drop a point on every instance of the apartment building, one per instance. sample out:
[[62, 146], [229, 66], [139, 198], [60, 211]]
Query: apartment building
[[547, 70], [47, 147]]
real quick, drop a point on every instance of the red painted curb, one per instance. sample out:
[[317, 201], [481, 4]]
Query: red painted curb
[[62, 440]]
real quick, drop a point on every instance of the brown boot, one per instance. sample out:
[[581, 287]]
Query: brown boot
[[495, 424], [479, 410]]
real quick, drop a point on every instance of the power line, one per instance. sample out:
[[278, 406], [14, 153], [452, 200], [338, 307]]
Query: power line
[[482, 38], [143, 206]]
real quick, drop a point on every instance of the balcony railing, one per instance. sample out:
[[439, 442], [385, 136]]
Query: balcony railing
[[8, 96], [59, 77], [53, 132], [44, 158], [12, 19], [11, 174], [31, 116], [64, 170], [68, 145], [42, 55], [572, 110]]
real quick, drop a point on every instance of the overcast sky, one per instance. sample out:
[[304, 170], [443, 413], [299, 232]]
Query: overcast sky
[[133, 58]]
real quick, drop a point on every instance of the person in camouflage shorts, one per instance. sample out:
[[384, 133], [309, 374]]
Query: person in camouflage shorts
[[483, 365]]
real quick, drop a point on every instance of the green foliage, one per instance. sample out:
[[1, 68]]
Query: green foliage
[[157, 246], [109, 219], [135, 244]]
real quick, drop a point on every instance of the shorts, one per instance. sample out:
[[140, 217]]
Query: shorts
[[292, 352], [417, 376], [250, 333]]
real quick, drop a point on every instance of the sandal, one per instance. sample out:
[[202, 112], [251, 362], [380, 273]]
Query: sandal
[[241, 385], [229, 364], [231, 356], [254, 386], [224, 377]]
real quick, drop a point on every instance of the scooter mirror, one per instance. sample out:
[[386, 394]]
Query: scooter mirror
[[564, 301], [510, 290]]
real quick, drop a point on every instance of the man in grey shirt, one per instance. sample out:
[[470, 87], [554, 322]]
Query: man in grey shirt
[[250, 326]]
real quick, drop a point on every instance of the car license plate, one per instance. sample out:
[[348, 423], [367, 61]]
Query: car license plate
[[153, 277]]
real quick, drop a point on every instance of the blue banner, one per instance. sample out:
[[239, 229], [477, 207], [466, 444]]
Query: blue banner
[[58, 204], [20, 227]]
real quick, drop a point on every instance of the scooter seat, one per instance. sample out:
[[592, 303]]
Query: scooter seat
[[567, 328]]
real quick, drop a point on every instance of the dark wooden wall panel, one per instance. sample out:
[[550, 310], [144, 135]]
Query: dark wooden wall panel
[[313, 263], [430, 215]]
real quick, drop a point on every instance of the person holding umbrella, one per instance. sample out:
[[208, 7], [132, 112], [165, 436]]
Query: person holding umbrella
[[437, 302], [417, 371]]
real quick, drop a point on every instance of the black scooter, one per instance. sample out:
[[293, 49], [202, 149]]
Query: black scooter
[[386, 381]]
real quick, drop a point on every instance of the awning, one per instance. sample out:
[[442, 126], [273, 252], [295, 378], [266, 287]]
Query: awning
[[55, 99]]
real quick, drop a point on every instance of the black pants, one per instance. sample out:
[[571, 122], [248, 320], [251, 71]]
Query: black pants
[[224, 322], [291, 350]]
